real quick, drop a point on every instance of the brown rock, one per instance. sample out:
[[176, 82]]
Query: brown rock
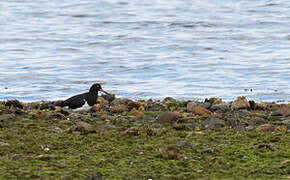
[[241, 103], [169, 117], [169, 99], [266, 127], [214, 100], [271, 128], [121, 104], [191, 105], [119, 108], [201, 111]]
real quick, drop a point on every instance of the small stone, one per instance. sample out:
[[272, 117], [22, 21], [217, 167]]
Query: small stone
[[240, 103], [169, 117], [169, 99], [267, 146], [132, 131], [207, 151]]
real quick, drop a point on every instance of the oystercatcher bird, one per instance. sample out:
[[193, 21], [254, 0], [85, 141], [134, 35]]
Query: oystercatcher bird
[[83, 102]]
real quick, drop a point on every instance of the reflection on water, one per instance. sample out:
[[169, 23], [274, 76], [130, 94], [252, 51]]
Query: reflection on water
[[152, 49]]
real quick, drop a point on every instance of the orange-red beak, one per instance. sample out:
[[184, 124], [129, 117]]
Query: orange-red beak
[[104, 91]]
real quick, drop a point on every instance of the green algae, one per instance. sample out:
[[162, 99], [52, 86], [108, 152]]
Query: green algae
[[44, 149]]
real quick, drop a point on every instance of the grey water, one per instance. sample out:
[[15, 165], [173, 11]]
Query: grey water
[[145, 49]]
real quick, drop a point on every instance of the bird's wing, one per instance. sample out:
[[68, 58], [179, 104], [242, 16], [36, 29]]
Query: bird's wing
[[74, 102]]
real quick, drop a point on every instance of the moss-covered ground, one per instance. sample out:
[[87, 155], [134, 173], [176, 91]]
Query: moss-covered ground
[[34, 148]]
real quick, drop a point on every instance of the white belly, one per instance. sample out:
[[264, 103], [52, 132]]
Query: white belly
[[85, 107]]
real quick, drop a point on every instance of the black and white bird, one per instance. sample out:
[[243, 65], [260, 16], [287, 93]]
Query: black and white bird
[[83, 102]]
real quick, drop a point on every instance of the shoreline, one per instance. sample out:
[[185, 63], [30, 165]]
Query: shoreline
[[145, 139]]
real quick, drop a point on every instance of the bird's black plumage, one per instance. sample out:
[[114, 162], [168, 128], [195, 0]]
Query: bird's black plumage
[[78, 101]]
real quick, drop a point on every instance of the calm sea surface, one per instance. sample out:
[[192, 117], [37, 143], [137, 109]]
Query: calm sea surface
[[145, 49]]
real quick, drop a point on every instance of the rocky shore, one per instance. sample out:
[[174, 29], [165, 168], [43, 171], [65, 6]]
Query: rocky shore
[[145, 139]]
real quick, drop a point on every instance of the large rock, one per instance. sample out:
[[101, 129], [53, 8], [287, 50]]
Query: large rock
[[220, 108], [241, 103], [169, 117], [120, 105]]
